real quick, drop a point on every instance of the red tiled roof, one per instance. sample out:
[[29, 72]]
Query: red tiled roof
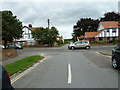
[[34, 28], [110, 24], [92, 34], [81, 36], [60, 37]]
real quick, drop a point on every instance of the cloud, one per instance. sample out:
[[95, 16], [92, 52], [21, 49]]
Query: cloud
[[62, 15]]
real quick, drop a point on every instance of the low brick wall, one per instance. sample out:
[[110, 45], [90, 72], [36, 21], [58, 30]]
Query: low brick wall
[[8, 53]]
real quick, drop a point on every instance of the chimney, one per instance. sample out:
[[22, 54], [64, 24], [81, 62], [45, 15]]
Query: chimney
[[30, 25]]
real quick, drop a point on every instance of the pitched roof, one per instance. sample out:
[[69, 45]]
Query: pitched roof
[[92, 34], [110, 24], [34, 28], [81, 36], [60, 37]]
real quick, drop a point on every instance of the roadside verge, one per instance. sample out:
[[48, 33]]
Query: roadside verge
[[23, 64]]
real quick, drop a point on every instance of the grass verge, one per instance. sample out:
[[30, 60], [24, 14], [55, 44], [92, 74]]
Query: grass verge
[[22, 64], [60, 45]]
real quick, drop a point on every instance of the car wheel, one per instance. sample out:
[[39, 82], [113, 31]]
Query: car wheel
[[114, 63], [72, 48], [87, 47]]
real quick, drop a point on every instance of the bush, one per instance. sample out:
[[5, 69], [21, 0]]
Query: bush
[[60, 42], [99, 42], [116, 41]]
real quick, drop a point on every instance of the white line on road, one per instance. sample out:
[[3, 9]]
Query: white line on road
[[69, 74], [104, 55]]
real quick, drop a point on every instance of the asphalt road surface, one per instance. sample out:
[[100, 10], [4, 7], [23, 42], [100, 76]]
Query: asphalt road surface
[[63, 68]]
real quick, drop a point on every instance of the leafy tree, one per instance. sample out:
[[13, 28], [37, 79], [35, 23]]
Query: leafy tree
[[111, 16], [39, 34], [52, 35], [11, 27], [84, 25], [46, 36]]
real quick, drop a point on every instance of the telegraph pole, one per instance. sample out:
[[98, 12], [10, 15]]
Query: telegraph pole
[[48, 24]]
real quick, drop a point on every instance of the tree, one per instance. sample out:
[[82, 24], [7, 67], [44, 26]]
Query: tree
[[111, 16], [84, 25], [52, 35], [11, 27], [45, 36], [39, 34]]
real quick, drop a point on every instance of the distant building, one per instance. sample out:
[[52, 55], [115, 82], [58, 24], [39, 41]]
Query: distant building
[[27, 36], [60, 38], [107, 31]]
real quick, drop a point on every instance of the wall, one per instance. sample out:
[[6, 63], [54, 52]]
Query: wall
[[8, 53]]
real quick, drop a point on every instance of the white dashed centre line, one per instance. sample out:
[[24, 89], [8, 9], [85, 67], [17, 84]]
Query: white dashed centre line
[[69, 74]]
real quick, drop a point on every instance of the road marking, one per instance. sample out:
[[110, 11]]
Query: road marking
[[69, 74], [104, 55]]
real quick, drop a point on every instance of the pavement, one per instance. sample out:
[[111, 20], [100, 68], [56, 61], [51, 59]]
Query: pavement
[[20, 56], [107, 53]]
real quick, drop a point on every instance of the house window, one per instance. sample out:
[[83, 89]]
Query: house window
[[114, 38], [100, 39], [108, 38], [107, 30], [114, 30], [32, 43], [101, 34]]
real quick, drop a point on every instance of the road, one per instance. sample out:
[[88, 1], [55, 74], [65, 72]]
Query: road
[[63, 68]]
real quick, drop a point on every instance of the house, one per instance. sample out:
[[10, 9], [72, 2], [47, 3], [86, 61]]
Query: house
[[27, 36], [80, 37], [28, 40], [110, 31], [107, 31], [60, 38], [92, 36]]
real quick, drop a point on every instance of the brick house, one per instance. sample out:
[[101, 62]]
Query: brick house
[[107, 31], [92, 36]]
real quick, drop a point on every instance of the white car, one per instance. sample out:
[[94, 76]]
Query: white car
[[2, 47], [79, 44]]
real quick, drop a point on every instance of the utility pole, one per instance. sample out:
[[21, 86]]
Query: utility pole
[[119, 23], [48, 24]]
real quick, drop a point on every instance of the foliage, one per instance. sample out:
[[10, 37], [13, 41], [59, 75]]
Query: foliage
[[45, 36], [11, 27], [90, 25], [111, 16], [100, 42], [22, 64], [84, 25], [59, 42]]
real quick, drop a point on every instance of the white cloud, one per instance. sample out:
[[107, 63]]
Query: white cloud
[[59, 0], [63, 15]]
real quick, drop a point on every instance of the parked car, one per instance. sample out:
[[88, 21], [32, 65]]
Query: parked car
[[79, 44], [5, 82], [13, 45], [2, 47], [116, 57]]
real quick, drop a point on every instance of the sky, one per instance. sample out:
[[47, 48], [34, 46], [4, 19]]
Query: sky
[[63, 14]]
